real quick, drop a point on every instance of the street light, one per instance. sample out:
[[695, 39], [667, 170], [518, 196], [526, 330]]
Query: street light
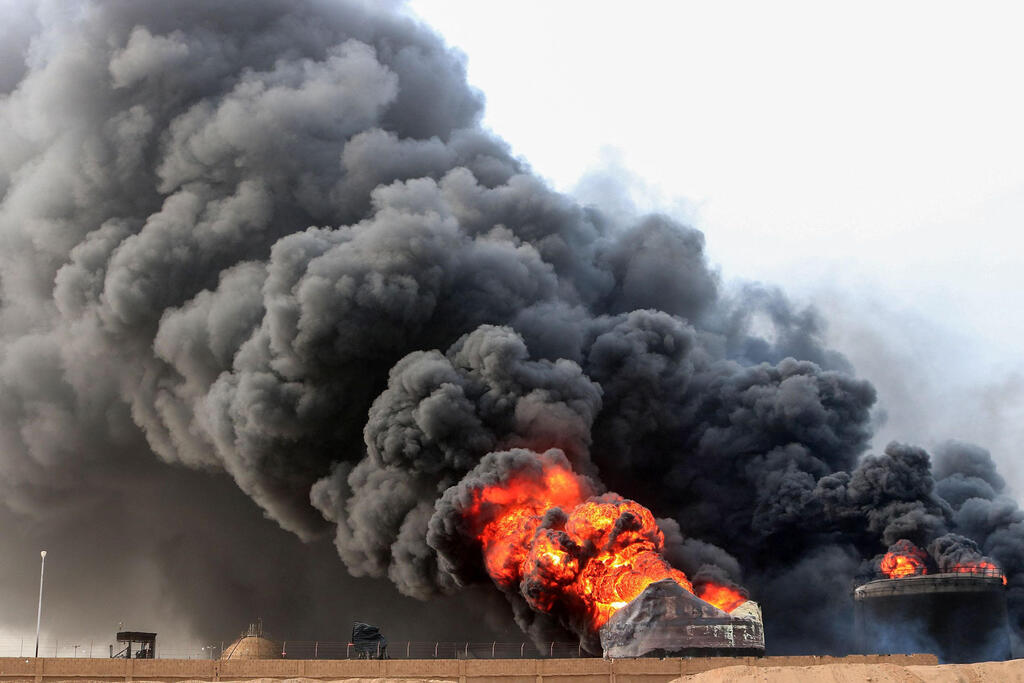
[[39, 614]]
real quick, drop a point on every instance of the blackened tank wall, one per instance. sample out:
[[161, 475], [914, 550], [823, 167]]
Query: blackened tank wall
[[956, 617]]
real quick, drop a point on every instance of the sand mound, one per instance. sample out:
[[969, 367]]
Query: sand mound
[[1003, 672]]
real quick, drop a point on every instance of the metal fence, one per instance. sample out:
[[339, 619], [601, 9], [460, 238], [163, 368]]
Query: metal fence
[[25, 647], [309, 649], [433, 650]]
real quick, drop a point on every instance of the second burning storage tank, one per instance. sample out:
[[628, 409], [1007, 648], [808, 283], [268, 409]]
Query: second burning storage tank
[[959, 617]]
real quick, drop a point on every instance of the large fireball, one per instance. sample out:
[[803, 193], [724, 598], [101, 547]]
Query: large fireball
[[904, 559], [573, 551]]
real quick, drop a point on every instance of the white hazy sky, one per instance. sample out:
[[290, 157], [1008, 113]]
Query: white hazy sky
[[866, 156]]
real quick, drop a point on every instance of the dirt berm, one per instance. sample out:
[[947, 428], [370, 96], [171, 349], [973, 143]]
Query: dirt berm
[[997, 672]]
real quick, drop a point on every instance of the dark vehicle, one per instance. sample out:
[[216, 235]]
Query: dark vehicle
[[368, 642]]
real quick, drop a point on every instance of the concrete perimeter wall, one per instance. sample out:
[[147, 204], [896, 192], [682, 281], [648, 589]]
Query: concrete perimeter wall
[[46, 670]]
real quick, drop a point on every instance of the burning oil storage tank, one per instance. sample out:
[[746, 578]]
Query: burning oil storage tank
[[959, 617], [666, 620]]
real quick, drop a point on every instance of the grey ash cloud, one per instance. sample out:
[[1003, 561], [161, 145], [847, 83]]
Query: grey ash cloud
[[270, 241]]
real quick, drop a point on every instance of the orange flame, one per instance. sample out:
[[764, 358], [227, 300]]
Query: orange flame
[[982, 567], [517, 508], [592, 557], [898, 566], [904, 559], [722, 597]]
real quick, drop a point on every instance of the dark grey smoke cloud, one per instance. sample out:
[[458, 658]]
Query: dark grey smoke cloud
[[270, 241]]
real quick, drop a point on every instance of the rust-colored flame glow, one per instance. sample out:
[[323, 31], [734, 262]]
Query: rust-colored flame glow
[[591, 557], [982, 567], [904, 559]]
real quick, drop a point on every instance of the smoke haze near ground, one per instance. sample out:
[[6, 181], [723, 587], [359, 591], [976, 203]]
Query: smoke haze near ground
[[267, 248]]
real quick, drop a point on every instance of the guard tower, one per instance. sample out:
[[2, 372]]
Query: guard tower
[[145, 641]]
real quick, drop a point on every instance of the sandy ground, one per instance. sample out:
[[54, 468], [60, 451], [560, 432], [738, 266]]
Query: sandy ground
[[319, 680], [323, 680], [999, 672]]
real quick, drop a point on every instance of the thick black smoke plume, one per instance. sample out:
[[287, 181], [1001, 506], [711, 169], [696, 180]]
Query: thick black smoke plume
[[270, 239]]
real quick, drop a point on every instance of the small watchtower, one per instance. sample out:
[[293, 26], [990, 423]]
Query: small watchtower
[[146, 642]]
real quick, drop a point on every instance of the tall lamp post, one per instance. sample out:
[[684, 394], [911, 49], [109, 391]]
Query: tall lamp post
[[39, 614]]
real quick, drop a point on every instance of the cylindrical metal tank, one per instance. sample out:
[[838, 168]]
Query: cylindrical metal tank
[[957, 617]]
